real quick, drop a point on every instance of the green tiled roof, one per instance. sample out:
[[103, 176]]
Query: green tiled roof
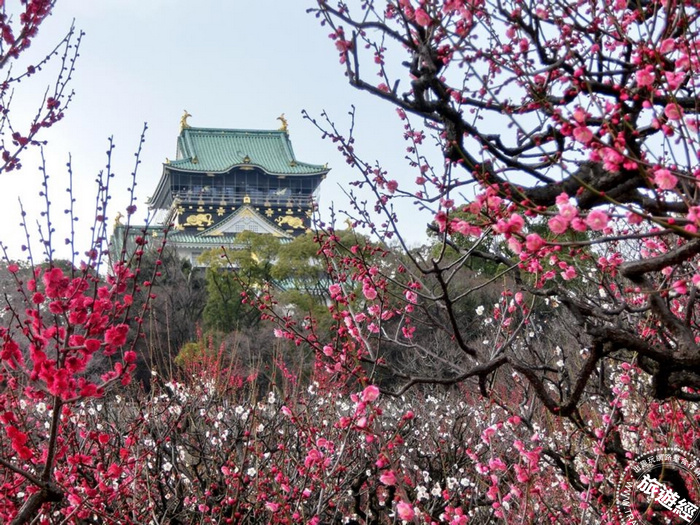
[[214, 150], [154, 235], [189, 238], [183, 238]]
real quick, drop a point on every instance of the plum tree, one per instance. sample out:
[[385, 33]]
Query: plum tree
[[569, 133]]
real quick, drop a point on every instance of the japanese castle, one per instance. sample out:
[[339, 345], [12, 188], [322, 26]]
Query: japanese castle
[[225, 181]]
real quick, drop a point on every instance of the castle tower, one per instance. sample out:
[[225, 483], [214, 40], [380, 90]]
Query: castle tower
[[224, 181]]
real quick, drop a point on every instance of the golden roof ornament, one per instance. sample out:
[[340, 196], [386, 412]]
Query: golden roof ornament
[[283, 120], [183, 121]]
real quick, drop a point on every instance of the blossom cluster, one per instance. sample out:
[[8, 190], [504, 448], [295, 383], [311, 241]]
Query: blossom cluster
[[196, 451]]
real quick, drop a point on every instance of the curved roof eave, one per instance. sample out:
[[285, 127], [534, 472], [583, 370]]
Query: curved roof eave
[[172, 165]]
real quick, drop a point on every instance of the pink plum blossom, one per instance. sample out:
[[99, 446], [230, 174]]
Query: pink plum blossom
[[441, 219], [674, 79], [664, 179], [465, 228], [411, 296], [597, 220], [634, 218], [578, 224], [369, 292], [583, 134], [516, 223], [405, 511], [562, 199], [667, 46], [680, 287], [497, 464], [568, 212], [515, 245], [612, 159], [388, 478], [580, 115], [694, 214], [558, 224], [512, 225], [370, 393], [533, 242], [673, 111], [487, 434], [422, 17], [568, 274], [645, 77]]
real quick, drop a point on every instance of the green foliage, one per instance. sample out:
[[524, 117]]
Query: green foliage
[[298, 260], [301, 277], [188, 353], [225, 310], [294, 269]]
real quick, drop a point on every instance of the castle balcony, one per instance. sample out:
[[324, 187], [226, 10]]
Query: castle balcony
[[227, 196]]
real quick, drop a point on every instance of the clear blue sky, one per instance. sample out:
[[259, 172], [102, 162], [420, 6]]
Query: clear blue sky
[[235, 64]]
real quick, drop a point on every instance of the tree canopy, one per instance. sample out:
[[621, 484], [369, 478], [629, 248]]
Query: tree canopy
[[569, 131]]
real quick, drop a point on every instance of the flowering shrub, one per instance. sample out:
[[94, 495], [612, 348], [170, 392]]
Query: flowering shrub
[[68, 335], [210, 449], [569, 140]]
